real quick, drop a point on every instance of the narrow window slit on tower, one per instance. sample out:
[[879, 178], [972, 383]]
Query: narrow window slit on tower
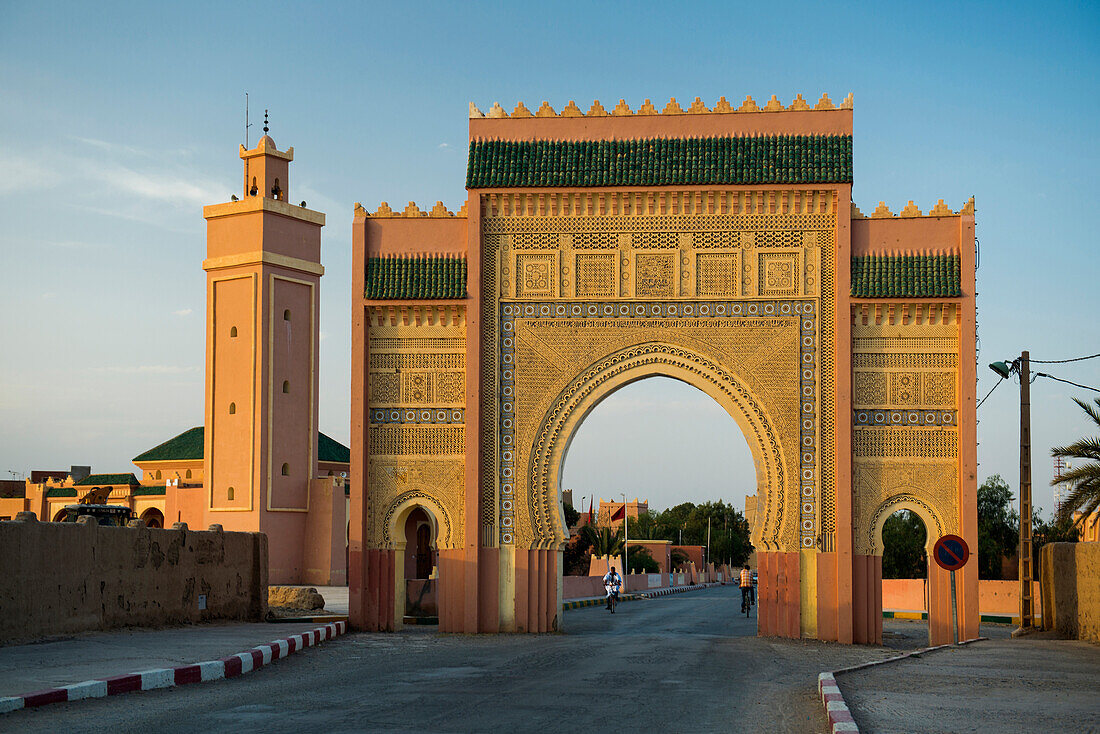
[[286, 386], [233, 331], [232, 408], [229, 494], [286, 470]]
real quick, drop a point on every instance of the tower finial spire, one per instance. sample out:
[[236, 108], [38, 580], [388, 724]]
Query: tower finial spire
[[265, 122]]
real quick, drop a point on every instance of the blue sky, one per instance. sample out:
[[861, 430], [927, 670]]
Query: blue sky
[[119, 121]]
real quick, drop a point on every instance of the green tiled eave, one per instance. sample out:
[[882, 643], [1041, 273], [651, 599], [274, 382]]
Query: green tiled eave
[[188, 446], [149, 491], [331, 450], [61, 492], [416, 277], [769, 159], [100, 480], [905, 276]]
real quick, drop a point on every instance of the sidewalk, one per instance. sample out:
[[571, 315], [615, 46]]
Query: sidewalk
[[97, 655], [1033, 683]]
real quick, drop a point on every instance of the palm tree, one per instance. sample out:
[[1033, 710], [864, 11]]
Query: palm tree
[[603, 541], [1084, 479]]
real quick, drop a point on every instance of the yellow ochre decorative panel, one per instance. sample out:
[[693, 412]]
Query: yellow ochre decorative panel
[[679, 264]]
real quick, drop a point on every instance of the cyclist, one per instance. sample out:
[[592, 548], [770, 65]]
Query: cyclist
[[612, 582], [745, 582]]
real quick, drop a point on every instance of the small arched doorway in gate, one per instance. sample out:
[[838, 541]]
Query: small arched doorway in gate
[[416, 576], [153, 518]]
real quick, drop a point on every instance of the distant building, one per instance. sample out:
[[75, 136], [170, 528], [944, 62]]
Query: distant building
[[608, 510]]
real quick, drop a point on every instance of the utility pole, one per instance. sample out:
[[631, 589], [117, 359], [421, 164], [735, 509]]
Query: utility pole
[[708, 542], [626, 538], [1027, 606]]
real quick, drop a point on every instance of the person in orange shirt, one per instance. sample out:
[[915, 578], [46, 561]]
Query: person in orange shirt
[[745, 582]]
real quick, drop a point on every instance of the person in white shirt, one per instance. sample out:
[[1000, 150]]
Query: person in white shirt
[[612, 582]]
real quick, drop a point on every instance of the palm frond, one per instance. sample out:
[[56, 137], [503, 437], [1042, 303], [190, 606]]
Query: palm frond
[[1085, 448]]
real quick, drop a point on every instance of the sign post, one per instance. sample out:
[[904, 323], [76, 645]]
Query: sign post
[[951, 553]]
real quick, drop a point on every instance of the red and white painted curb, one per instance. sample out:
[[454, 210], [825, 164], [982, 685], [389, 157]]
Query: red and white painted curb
[[840, 717], [147, 680]]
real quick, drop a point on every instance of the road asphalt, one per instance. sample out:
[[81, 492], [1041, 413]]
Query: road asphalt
[[685, 662]]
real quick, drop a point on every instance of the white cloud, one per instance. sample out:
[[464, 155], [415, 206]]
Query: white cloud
[[182, 312], [25, 174], [444, 146]]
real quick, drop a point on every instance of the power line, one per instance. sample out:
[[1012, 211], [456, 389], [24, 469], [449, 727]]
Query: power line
[[989, 393], [1064, 361], [1068, 382]]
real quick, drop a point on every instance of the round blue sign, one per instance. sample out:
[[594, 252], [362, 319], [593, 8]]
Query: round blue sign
[[951, 552]]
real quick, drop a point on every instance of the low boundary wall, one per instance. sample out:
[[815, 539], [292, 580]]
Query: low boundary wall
[[1070, 578], [61, 578]]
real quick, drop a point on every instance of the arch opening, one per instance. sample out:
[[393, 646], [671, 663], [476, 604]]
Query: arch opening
[[904, 537], [153, 518], [683, 459], [416, 533], [620, 369]]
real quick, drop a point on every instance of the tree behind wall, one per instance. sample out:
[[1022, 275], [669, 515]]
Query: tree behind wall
[[903, 539], [641, 561], [998, 526]]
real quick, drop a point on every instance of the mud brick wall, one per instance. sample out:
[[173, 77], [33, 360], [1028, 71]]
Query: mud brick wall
[[1070, 578], [61, 578]]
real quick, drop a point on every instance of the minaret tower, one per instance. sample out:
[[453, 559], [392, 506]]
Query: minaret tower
[[263, 269]]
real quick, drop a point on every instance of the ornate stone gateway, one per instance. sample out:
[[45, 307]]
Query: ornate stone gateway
[[719, 247]]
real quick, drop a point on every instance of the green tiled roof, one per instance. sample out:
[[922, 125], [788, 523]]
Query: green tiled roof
[[101, 480], [779, 159], [329, 449], [416, 277], [189, 446], [61, 492], [146, 491], [184, 447], [905, 276]]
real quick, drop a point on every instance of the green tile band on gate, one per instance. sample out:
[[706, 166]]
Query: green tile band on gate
[[766, 159], [416, 277], [906, 276]]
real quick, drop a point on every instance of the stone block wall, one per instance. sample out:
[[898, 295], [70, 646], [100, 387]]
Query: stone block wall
[[61, 578], [1070, 578]]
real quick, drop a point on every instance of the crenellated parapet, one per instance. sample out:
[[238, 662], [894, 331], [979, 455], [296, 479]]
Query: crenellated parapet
[[411, 211], [911, 210], [622, 109]]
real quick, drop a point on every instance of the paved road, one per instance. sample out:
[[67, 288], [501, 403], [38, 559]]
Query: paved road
[[686, 662]]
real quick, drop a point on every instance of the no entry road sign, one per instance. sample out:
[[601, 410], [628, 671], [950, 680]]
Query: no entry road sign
[[951, 552]]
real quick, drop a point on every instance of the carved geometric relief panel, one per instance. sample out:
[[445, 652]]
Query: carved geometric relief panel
[[536, 274], [904, 388], [938, 388], [597, 274], [717, 274], [450, 388], [870, 388], [385, 388], [779, 273], [655, 275], [414, 388]]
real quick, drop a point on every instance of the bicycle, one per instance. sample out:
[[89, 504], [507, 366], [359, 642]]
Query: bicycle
[[612, 600], [746, 605]]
